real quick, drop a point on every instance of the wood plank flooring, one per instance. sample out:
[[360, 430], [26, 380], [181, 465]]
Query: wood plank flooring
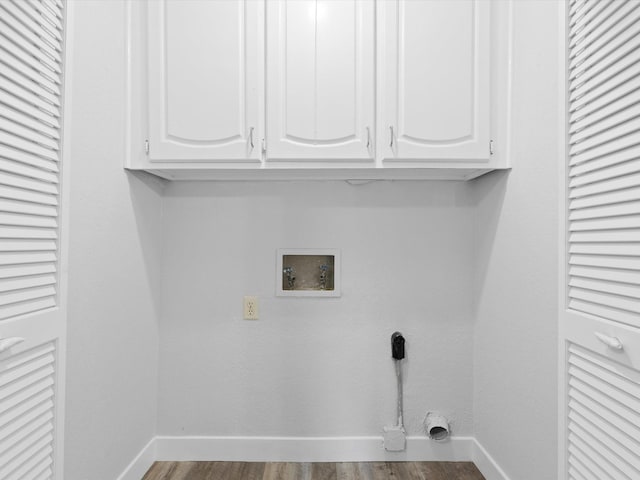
[[313, 471]]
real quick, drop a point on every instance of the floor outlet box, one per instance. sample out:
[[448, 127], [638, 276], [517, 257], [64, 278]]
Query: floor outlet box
[[394, 439]]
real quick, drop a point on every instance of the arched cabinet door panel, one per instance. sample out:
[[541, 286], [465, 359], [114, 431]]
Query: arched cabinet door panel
[[435, 72], [205, 65], [320, 80]]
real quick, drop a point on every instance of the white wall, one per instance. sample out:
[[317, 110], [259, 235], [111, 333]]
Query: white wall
[[114, 270], [516, 284], [314, 367], [415, 256]]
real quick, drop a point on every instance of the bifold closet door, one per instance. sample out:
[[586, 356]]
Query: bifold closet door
[[600, 318], [32, 224]]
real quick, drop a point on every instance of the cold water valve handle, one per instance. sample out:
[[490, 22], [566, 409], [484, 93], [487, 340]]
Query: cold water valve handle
[[397, 346]]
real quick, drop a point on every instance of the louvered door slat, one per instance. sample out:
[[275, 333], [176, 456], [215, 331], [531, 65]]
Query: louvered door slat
[[26, 63], [610, 274], [609, 42], [28, 133], [606, 173], [590, 428], [42, 20], [15, 258], [37, 99], [616, 118], [30, 25], [602, 95], [599, 36], [26, 233], [601, 298], [9, 23], [628, 194], [40, 424], [17, 168], [600, 103], [22, 120], [9, 153], [608, 223], [603, 138], [606, 185], [623, 249], [46, 13], [586, 16], [7, 205], [25, 270], [616, 158], [606, 236], [22, 245], [28, 183], [604, 311], [588, 408], [615, 144], [30, 147], [629, 208], [25, 108], [26, 282], [25, 462], [605, 261], [39, 54], [613, 80], [598, 463], [55, 9], [610, 61], [39, 91]]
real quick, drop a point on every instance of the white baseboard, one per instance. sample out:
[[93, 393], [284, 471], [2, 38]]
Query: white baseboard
[[309, 449], [486, 464], [139, 466]]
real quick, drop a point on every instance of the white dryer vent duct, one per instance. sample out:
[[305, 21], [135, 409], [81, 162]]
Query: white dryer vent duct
[[436, 426]]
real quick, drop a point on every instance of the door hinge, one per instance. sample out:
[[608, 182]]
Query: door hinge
[[264, 147], [146, 147], [490, 147]]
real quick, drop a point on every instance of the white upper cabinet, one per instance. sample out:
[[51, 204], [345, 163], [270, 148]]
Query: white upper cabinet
[[320, 80], [319, 89], [205, 71], [434, 80]]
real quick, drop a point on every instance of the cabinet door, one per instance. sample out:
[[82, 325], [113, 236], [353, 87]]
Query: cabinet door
[[205, 80], [320, 79], [434, 89]]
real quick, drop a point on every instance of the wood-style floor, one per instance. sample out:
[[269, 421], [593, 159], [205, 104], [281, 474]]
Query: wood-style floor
[[313, 471]]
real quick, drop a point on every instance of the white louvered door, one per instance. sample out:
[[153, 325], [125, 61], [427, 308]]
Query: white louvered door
[[32, 272], [600, 314]]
